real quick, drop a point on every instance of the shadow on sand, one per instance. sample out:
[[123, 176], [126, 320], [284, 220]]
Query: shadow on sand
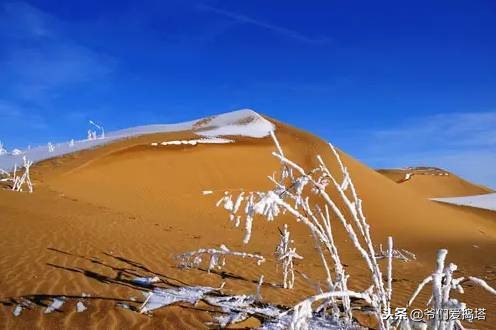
[[125, 276]]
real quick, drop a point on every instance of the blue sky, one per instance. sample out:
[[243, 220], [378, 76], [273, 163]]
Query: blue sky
[[394, 83]]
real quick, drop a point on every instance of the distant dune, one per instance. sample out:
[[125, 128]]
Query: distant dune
[[434, 182], [101, 215]]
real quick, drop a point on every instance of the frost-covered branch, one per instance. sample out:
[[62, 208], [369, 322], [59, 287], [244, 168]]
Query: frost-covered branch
[[18, 182], [443, 282], [16, 152], [99, 127], [303, 311], [285, 255], [217, 257], [91, 135], [401, 254], [3, 151], [291, 195], [258, 295]]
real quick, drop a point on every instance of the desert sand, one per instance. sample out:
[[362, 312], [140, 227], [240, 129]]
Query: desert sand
[[100, 217]]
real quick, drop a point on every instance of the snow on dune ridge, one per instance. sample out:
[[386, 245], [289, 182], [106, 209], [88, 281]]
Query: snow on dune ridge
[[243, 122], [486, 201]]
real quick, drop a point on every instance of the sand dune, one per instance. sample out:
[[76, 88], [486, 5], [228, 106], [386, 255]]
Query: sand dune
[[101, 216], [434, 182]]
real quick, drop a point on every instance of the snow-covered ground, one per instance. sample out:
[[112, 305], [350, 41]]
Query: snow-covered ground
[[243, 122], [486, 201]]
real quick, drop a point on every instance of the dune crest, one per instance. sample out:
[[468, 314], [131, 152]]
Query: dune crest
[[244, 122]]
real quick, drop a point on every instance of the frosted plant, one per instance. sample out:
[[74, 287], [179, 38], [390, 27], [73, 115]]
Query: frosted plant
[[217, 257], [51, 148], [255, 203], [5, 176], [285, 255], [258, 295], [3, 151], [443, 282], [99, 127], [304, 311], [91, 135], [401, 254], [290, 195], [24, 179], [18, 182], [159, 297], [16, 152], [71, 143]]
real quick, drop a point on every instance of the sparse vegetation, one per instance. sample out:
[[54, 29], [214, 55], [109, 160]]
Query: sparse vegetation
[[291, 195], [18, 182]]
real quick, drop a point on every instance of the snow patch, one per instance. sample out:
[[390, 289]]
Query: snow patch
[[244, 122], [80, 307], [486, 201], [17, 310], [163, 297], [194, 142], [55, 305], [123, 305]]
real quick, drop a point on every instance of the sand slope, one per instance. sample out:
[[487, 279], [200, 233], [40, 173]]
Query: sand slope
[[434, 182], [102, 216]]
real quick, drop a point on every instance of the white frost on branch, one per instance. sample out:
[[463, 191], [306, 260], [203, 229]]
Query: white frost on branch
[[443, 282], [265, 204], [99, 127], [401, 254], [16, 152], [3, 151], [285, 255], [217, 257], [303, 312], [290, 196], [18, 182], [51, 147], [163, 297], [258, 295], [91, 135]]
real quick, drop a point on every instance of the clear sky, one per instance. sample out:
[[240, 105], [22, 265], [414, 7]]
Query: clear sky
[[394, 83]]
